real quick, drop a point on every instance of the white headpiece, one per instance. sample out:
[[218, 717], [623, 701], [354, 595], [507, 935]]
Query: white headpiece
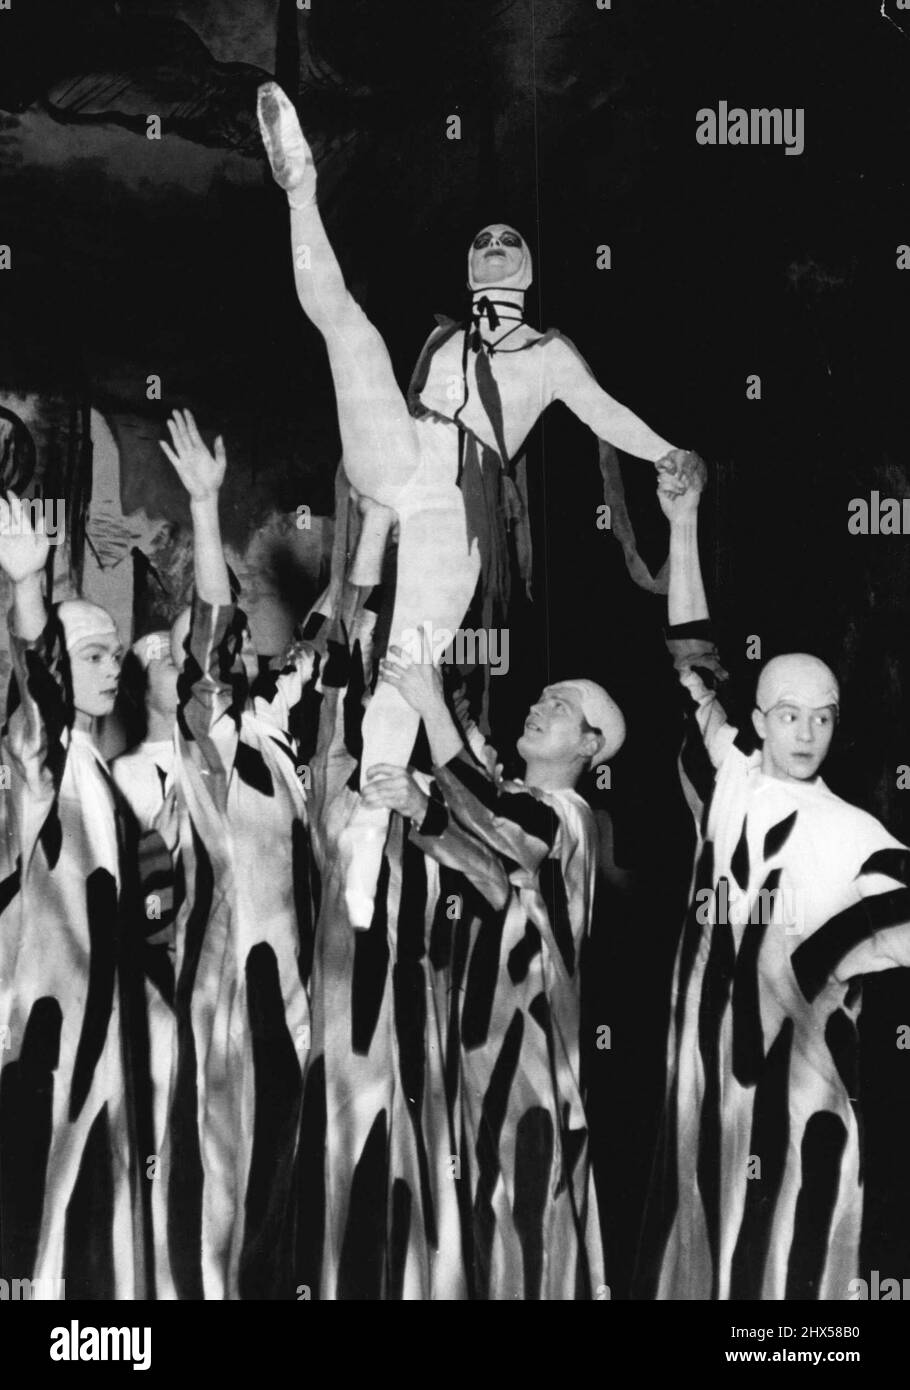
[[602, 712], [796, 677], [81, 620]]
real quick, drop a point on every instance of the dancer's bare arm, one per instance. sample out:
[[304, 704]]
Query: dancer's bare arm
[[202, 474]]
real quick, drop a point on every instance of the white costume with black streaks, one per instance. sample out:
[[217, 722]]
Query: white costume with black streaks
[[145, 778], [796, 895], [507, 975], [244, 948], [73, 1086]]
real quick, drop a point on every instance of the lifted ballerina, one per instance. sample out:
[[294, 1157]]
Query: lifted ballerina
[[431, 460]]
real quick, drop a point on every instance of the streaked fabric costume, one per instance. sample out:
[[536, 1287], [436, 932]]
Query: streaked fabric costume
[[757, 1190], [75, 1112], [144, 776], [508, 969], [244, 939], [442, 1106]]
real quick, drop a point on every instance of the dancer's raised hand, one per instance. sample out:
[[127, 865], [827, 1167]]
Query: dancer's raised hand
[[419, 683], [200, 471], [23, 550], [681, 478]]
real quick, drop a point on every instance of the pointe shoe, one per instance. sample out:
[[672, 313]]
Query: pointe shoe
[[289, 154], [360, 847]]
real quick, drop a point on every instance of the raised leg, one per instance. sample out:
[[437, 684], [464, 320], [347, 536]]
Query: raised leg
[[377, 431]]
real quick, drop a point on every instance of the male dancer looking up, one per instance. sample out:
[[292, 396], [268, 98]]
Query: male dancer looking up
[[529, 1221], [796, 894]]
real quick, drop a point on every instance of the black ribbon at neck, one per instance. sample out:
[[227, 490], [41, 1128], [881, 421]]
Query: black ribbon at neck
[[483, 309]]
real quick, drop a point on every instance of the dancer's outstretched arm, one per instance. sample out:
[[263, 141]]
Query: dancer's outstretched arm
[[34, 740], [23, 554], [689, 636], [572, 382], [686, 601], [209, 710], [202, 474], [510, 822]]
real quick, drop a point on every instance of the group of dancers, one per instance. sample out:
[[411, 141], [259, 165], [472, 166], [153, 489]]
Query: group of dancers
[[290, 991]]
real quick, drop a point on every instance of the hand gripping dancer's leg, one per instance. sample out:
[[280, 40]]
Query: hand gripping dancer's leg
[[390, 458]]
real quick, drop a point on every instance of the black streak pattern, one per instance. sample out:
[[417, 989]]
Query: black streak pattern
[[769, 1141], [779, 834], [310, 1205], [483, 970], [26, 1110], [265, 1258], [101, 911], [185, 1183], [748, 1036], [10, 886], [815, 960], [251, 768], [533, 1161], [398, 1241], [492, 1118], [523, 953], [50, 836], [363, 1250], [371, 958], [704, 875], [88, 1247], [739, 862], [713, 1005], [553, 891], [824, 1141], [303, 899], [409, 993]]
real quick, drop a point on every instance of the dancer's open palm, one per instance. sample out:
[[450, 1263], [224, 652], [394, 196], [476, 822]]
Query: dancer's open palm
[[201, 472], [23, 551]]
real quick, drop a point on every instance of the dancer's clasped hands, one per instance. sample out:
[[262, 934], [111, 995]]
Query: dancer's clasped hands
[[394, 789]]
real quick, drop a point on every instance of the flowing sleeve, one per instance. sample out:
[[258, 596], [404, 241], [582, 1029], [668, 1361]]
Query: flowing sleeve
[[276, 694], [443, 839], [709, 736], [883, 927], [37, 733], [210, 701], [571, 381], [515, 824]]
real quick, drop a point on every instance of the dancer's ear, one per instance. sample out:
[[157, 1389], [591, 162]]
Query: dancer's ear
[[759, 724]]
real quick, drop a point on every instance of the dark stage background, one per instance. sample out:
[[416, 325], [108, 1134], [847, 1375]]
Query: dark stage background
[[133, 256]]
